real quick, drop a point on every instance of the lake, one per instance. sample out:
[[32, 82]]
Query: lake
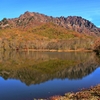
[[29, 75]]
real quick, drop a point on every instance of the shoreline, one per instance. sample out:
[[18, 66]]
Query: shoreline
[[92, 93], [53, 50]]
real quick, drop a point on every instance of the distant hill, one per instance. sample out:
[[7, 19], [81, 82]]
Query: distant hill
[[38, 31]]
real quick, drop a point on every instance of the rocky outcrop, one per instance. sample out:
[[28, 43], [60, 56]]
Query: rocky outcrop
[[31, 19], [82, 25]]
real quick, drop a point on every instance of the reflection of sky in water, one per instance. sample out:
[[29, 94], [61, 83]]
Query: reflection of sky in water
[[15, 90]]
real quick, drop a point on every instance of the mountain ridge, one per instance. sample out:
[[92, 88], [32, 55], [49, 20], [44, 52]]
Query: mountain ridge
[[32, 19]]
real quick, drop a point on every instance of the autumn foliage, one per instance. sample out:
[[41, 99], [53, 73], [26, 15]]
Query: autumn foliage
[[96, 46], [44, 37]]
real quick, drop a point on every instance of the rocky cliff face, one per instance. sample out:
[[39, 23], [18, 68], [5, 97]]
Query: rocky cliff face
[[81, 25], [31, 19]]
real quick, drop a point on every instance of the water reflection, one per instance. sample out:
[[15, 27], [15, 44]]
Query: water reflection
[[28, 75], [38, 67]]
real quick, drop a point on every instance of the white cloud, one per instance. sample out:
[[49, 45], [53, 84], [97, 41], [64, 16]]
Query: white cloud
[[90, 19], [98, 26]]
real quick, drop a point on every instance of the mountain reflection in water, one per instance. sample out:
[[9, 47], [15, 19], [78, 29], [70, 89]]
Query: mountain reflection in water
[[39, 67], [29, 75]]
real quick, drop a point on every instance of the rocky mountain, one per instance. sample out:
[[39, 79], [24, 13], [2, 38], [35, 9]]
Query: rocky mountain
[[32, 19], [34, 31]]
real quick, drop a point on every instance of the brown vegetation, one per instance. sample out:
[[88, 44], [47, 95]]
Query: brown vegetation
[[96, 46], [44, 37]]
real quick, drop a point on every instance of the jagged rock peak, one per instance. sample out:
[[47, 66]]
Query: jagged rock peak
[[78, 20], [27, 14]]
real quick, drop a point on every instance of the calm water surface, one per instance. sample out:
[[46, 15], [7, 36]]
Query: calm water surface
[[29, 75]]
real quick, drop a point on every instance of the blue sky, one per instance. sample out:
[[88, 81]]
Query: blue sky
[[88, 9]]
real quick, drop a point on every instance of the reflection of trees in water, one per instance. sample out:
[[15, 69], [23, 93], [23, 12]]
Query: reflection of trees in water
[[38, 67], [4, 56]]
